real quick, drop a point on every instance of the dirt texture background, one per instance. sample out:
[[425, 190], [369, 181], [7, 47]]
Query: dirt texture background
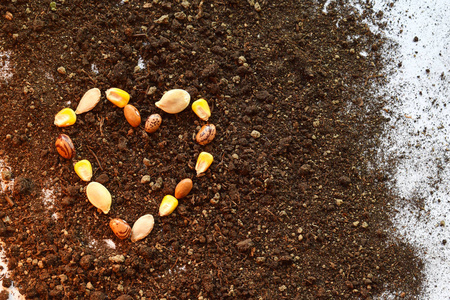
[[289, 212]]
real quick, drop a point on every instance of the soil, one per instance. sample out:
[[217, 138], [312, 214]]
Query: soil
[[289, 209]]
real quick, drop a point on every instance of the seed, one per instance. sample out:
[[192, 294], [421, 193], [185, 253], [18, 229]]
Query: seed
[[120, 228], [132, 115], [201, 109], [206, 134], [65, 117], [99, 196], [183, 188], [168, 205], [153, 122], [83, 168], [174, 101], [64, 146], [118, 97], [88, 101], [142, 227], [204, 160]]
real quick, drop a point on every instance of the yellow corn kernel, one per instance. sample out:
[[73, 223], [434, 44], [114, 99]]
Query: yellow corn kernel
[[118, 97], [65, 117], [201, 109], [168, 205], [204, 160], [83, 168]]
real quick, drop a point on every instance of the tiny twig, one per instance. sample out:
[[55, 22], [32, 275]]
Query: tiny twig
[[200, 10], [175, 263], [96, 158], [101, 122], [9, 200], [92, 79]]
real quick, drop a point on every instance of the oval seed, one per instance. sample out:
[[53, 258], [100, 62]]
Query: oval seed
[[64, 146], [183, 188], [88, 101], [99, 196], [120, 228], [132, 115], [174, 101], [142, 227], [206, 134], [153, 122]]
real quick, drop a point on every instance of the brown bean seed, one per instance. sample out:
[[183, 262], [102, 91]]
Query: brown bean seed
[[206, 134], [153, 122], [132, 115], [64, 146]]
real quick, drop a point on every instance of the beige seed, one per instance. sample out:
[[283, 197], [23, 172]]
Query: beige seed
[[99, 196], [174, 101], [142, 227], [88, 101]]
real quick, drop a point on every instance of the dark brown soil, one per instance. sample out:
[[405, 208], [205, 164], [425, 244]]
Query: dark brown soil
[[292, 214]]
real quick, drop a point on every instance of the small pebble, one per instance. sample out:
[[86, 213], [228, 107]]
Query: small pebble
[[255, 134], [260, 259], [180, 16], [117, 258], [163, 20], [151, 90], [185, 4], [146, 162], [61, 70], [145, 179]]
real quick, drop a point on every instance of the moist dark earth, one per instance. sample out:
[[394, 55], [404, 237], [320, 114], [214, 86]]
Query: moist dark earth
[[291, 211]]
